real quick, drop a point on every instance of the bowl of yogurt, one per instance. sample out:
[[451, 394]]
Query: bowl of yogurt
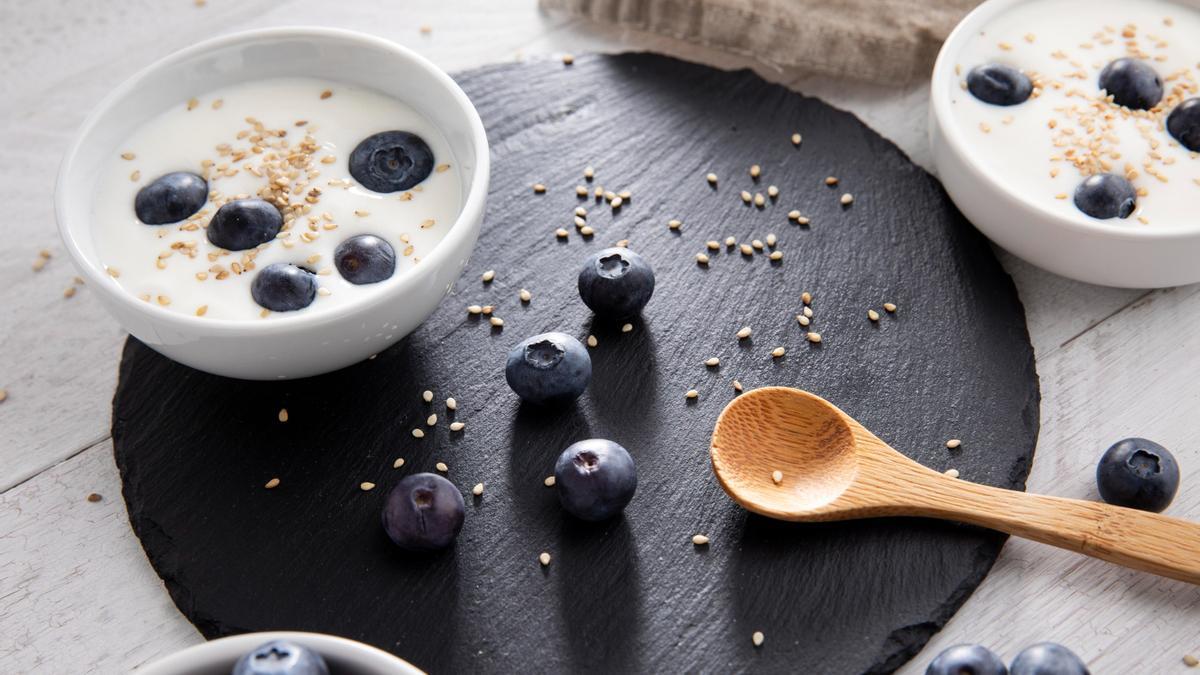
[[1068, 131], [277, 203]]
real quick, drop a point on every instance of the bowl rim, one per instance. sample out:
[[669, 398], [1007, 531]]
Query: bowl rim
[[471, 208], [234, 646], [953, 136]]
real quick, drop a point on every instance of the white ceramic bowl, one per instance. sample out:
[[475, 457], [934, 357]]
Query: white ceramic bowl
[[1098, 253], [304, 343], [218, 656]]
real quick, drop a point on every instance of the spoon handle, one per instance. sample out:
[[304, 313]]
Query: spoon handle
[[1140, 540]]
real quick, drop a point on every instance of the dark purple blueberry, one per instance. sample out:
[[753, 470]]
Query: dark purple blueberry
[[616, 283], [280, 657], [390, 161], [1106, 195], [548, 369], [1138, 473], [595, 478], [967, 660], [1047, 658], [281, 287], [1132, 83], [365, 259], [999, 84], [170, 198], [1184, 124], [424, 512], [243, 224]]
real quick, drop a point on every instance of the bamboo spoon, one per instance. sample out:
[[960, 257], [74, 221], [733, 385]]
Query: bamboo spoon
[[833, 468]]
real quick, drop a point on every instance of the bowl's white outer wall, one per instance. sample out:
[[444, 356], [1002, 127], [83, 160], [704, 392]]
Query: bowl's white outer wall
[[1123, 254], [305, 343], [218, 656]]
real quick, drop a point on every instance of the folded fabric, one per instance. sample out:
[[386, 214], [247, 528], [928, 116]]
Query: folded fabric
[[884, 41]]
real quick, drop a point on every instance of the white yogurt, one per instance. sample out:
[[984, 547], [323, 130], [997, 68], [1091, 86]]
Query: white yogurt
[[1063, 45], [202, 136]]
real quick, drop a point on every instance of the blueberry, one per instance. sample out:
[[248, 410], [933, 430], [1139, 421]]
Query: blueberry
[[595, 479], [999, 84], [1184, 124], [1106, 195], [170, 198], [1047, 658], [424, 512], [280, 657], [966, 660], [365, 259], [243, 224], [390, 161], [281, 287], [1132, 83], [616, 283], [548, 369], [1138, 473]]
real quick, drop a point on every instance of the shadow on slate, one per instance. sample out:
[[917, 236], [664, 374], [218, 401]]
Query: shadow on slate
[[194, 450]]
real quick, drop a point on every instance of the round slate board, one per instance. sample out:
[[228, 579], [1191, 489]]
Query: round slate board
[[633, 594]]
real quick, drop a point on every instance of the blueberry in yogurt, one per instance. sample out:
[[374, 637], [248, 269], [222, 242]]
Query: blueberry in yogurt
[[1047, 658], [424, 512], [365, 259], [243, 224], [1184, 124], [1106, 195], [390, 161], [280, 657], [281, 287], [170, 198], [595, 478], [548, 369], [1132, 83], [616, 283], [967, 660], [999, 84], [1139, 474]]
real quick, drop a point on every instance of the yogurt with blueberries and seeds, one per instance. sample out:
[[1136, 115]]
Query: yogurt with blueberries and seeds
[[274, 198], [1088, 107]]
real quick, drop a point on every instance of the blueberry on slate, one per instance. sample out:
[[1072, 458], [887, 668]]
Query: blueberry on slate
[[999, 84], [966, 660], [1184, 124], [616, 283], [1132, 83], [424, 512], [281, 287], [1106, 195], [280, 657], [548, 369], [1047, 658], [365, 259], [170, 198], [595, 479], [1138, 473], [390, 161], [243, 224]]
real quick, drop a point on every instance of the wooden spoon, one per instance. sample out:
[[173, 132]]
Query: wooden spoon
[[833, 468]]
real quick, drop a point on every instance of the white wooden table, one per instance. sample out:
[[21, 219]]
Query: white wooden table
[[76, 592]]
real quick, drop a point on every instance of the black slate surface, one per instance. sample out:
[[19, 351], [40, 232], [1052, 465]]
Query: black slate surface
[[194, 450]]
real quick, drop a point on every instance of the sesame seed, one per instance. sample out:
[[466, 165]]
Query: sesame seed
[[625, 194], [474, 309], [283, 415], [674, 224], [744, 333], [427, 396], [591, 341], [496, 321], [701, 258], [691, 394], [777, 352], [457, 426], [737, 386], [451, 404], [366, 486], [39, 264], [192, 103], [757, 244], [889, 307], [587, 231], [746, 196], [776, 255], [538, 188], [699, 540], [441, 466], [581, 191], [747, 250], [487, 309], [793, 215], [361, 213], [872, 315], [711, 178], [713, 245], [477, 490], [93, 497], [544, 559], [560, 233], [589, 173], [135, 175], [777, 476], [128, 155], [1190, 661], [755, 171], [953, 473], [326, 94], [567, 59], [417, 433], [549, 481], [616, 202], [806, 298], [730, 241], [847, 199], [796, 139], [272, 484], [431, 420], [802, 320], [757, 638], [953, 443], [831, 180], [3, 395], [398, 463], [772, 240], [772, 191], [759, 200], [813, 337], [525, 295], [713, 362], [488, 276], [627, 328]]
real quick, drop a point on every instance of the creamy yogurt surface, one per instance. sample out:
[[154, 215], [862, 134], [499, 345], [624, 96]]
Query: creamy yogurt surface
[[292, 137], [1040, 150]]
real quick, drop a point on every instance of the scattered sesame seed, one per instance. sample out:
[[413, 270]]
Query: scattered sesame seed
[[757, 638], [776, 255], [772, 239], [713, 362], [953, 443], [831, 180], [496, 321], [807, 311], [366, 486], [872, 315], [777, 476], [587, 231], [451, 404], [747, 249], [128, 155], [477, 490], [487, 309], [772, 191], [457, 426], [474, 309], [674, 224], [691, 394], [272, 484], [431, 420], [581, 191], [953, 473], [793, 215], [544, 559], [813, 337], [757, 244], [283, 415], [589, 173], [747, 197], [847, 199], [806, 298], [730, 241], [616, 202], [427, 396], [361, 213], [713, 245], [625, 194], [560, 233], [538, 188], [441, 466], [591, 341], [94, 497], [796, 139], [488, 276], [135, 175], [580, 212], [777, 352], [699, 540], [39, 264], [549, 481], [889, 307], [701, 258], [326, 94], [755, 171], [525, 295], [803, 320], [398, 463], [3, 395], [737, 386], [759, 200], [202, 310], [744, 333], [568, 59], [192, 103], [1190, 661], [627, 328], [711, 178], [417, 433]]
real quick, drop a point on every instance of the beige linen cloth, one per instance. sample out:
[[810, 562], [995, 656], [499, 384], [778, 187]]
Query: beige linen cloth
[[883, 41]]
